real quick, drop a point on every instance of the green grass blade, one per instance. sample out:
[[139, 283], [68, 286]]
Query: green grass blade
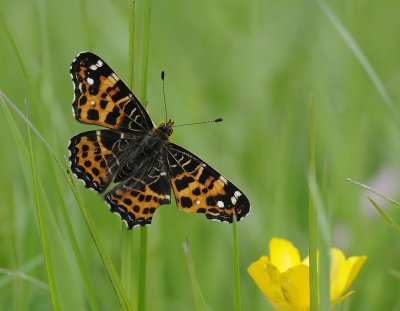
[[43, 229], [106, 259], [132, 52], [127, 235], [143, 95], [236, 268], [87, 284], [145, 49], [110, 268], [312, 218], [19, 57], [358, 53], [386, 216], [374, 191], [23, 276], [324, 243], [142, 270], [126, 263], [199, 302], [71, 237]]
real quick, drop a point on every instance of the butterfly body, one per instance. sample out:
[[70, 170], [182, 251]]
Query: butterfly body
[[138, 156]]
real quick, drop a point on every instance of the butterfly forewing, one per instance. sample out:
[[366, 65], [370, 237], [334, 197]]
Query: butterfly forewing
[[198, 188], [102, 98]]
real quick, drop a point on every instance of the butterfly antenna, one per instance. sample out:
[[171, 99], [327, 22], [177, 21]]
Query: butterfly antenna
[[203, 122], [163, 90]]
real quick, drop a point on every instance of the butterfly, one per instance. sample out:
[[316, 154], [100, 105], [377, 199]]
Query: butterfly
[[136, 156]]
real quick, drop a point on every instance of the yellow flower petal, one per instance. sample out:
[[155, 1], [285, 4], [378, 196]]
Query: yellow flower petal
[[340, 299], [343, 272], [353, 266], [284, 280], [337, 280], [283, 254], [267, 278], [296, 286]]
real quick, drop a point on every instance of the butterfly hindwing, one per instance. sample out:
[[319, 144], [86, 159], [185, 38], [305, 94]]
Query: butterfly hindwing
[[102, 98], [95, 157], [198, 188], [137, 199]]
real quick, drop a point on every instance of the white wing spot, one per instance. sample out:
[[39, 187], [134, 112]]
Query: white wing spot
[[168, 197], [163, 173], [233, 200], [115, 77], [92, 103], [90, 81], [198, 202], [237, 194], [220, 204], [223, 179], [99, 63], [93, 67]]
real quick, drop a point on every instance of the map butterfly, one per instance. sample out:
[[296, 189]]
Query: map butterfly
[[137, 156]]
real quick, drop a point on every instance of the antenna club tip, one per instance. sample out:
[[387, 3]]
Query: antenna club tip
[[162, 75], [218, 120]]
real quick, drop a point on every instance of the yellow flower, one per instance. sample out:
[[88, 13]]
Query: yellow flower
[[284, 278]]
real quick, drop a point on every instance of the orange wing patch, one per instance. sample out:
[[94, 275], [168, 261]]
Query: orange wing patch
[[137, 200], [101, 98], [94, 157], [198, 188]]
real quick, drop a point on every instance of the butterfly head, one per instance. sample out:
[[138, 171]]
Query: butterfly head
[[165, 128]]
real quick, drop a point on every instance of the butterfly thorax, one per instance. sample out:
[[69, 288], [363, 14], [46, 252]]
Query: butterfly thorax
[[165, 129]]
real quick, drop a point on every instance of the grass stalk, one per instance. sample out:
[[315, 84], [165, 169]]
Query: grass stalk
[[132, 52], [360, 56], [110, 268], [199, 302], [312, 217], [142, 270], [87, 284], [65, 217], [386, 216], [126, 263], [143, 95], [107, 262], [26, 277], [324, 243], [42, 228], [145, 49], [127, 236], [394, 202], [236, 268], [19, 57]]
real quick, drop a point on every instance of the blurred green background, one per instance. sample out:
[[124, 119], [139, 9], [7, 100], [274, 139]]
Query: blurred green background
[[254, 63]]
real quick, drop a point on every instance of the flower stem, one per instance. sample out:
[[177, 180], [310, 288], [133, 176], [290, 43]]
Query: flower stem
[[236, 269], [312, 217]]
